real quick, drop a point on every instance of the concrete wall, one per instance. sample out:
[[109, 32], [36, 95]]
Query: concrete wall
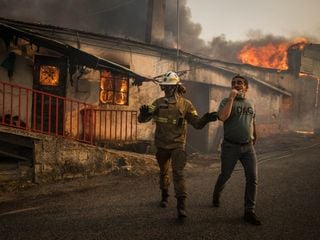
[[22, 75]]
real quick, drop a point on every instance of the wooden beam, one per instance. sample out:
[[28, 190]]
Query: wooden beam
[[9, 154], [16, 140]]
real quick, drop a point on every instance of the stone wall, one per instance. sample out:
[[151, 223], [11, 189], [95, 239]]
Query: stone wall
[[55, 158], [59, 158]]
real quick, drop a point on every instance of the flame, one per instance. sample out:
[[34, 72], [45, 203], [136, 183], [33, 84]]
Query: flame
[[113, 88], [271, 55], [299, 43], [121, 97]]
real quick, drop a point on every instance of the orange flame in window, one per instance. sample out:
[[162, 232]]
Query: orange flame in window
[[121, 96], [271, 55]]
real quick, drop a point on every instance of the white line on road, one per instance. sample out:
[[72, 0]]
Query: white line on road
[[19, 211]]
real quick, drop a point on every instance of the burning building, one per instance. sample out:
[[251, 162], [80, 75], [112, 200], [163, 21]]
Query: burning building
[[296, 64], [88, 87]]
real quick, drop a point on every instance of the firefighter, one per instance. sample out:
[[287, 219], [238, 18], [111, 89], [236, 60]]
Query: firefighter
[[171, 114]]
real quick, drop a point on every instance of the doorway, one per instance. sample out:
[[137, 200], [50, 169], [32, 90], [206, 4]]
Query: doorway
[[50, 75], [198, 94]]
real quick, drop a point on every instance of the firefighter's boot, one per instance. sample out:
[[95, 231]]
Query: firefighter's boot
[[164, 198], [181, 207], [216, 200]]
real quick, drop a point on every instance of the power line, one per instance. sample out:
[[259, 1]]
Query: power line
[[109, 8]]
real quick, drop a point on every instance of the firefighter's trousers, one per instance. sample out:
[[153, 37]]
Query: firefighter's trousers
[[178, 158]]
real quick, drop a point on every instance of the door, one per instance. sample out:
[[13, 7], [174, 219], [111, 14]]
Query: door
[[48, 107], [198, 93]]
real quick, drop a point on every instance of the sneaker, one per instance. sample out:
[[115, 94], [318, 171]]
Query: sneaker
[[182, 213], [164, 204], [216, 202], [251, 218]]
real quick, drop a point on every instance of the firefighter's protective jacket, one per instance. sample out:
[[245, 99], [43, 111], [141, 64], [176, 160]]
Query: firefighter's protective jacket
[[171, 116]]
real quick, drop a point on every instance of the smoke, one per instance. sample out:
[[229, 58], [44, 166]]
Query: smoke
[[219, 47], [127, 19]]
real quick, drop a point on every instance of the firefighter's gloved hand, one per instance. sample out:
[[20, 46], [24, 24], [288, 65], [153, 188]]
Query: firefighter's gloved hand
[[210, 117], [144, 111], [213, 116]]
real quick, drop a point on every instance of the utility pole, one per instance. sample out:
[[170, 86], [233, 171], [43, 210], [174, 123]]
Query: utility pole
[[178, 36], [317, 112]]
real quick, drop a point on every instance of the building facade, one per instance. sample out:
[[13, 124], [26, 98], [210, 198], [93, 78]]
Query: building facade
[[89, 87]]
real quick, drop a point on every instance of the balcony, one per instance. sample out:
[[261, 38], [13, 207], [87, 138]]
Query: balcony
[[40, 112]]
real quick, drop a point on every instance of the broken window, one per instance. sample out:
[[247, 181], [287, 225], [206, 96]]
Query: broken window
[[113, 88]]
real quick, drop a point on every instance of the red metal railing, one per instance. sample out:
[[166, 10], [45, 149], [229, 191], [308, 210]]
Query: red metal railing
[[42, 112]]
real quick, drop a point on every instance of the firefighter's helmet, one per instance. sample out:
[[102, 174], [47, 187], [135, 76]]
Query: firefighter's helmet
[[170, 78]]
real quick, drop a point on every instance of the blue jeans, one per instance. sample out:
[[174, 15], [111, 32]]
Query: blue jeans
[[230, 154]]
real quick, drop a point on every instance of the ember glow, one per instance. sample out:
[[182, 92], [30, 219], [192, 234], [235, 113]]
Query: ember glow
[[303, 74], [305, 132], [270, 55]]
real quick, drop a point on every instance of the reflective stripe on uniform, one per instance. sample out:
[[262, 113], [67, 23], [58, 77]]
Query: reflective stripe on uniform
[[152, 108], [165, 120], [194, 112]]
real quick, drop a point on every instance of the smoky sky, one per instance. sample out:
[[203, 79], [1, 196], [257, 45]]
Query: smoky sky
[[124, 18], [127, 19]]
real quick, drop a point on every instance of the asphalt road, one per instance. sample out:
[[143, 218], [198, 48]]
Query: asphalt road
[[126, 207]]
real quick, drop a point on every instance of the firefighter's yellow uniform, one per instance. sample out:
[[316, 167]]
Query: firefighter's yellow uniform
[[171, 116]]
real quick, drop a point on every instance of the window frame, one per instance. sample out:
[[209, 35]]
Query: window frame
[[116, 82]]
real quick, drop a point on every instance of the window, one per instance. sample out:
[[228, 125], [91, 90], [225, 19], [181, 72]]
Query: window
[[49, 75], [113, 88]]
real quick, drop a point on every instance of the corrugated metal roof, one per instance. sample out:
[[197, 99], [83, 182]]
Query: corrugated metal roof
[[312, 51], [206, 62], [265, 84], [306, 65], [75, 55], [310, 60]]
